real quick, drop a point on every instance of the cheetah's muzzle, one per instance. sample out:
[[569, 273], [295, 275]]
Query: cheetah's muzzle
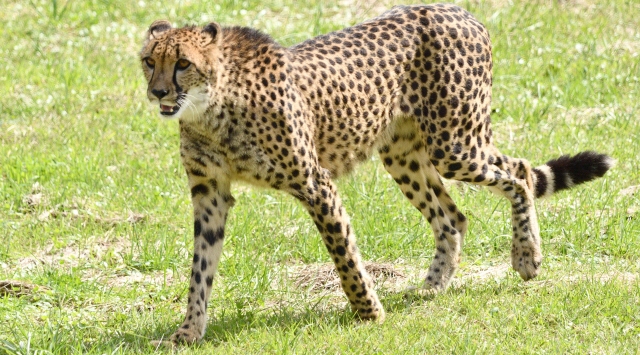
[[170, 110]]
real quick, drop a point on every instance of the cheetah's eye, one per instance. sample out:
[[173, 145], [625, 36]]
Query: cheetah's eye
[[183, 64], [149, 62]]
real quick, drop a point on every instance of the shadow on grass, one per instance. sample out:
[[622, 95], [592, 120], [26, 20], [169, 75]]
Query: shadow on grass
[[400, 301], [226, 327]]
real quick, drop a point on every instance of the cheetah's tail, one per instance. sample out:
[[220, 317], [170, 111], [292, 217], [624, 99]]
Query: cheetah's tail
[[568, 171]]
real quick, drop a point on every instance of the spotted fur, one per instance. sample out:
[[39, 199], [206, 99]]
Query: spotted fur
[[413, 84]]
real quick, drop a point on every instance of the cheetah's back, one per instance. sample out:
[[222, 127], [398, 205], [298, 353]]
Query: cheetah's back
[[428, 62]]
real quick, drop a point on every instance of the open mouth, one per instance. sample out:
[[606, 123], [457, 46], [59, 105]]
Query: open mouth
[[166, 110]]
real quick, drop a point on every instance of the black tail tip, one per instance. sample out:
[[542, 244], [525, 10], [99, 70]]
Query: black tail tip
[[582, 167]]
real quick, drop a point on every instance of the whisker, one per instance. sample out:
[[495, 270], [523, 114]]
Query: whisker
[[185, 101]]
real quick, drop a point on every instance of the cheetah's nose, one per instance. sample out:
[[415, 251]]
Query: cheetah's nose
[[160, 93]]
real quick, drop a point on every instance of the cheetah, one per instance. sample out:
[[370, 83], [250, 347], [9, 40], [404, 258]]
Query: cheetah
[[413, 84]]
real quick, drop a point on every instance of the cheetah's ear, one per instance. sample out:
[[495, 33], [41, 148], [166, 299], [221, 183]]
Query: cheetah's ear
[[157, 27], [212, 30]]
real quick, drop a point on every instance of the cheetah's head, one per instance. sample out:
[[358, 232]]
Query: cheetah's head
[[180, 67]]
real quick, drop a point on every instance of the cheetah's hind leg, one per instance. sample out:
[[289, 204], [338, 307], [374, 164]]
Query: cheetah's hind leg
[[406, 159], [511, 178]]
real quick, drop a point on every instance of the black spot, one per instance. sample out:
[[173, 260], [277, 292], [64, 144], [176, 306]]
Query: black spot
[[455, 166], [324, 209], [197, 172], [199, 189], [442, 111], [212, 236], [197, 227]]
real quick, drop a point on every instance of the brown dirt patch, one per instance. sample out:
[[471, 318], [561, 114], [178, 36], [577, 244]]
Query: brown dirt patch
[[14, 288], [87, 257], [73, 254], [323, 277], [399, 278]]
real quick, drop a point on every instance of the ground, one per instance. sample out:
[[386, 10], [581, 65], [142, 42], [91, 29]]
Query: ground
[[102, 281]]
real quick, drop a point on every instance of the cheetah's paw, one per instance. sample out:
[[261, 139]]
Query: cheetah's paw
[[526, 262]]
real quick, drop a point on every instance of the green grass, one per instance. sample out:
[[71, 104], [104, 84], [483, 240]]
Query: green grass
[[95, 210]]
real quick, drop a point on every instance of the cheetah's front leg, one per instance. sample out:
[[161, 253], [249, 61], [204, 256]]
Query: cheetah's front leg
[[211, 202], [332, 221]]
